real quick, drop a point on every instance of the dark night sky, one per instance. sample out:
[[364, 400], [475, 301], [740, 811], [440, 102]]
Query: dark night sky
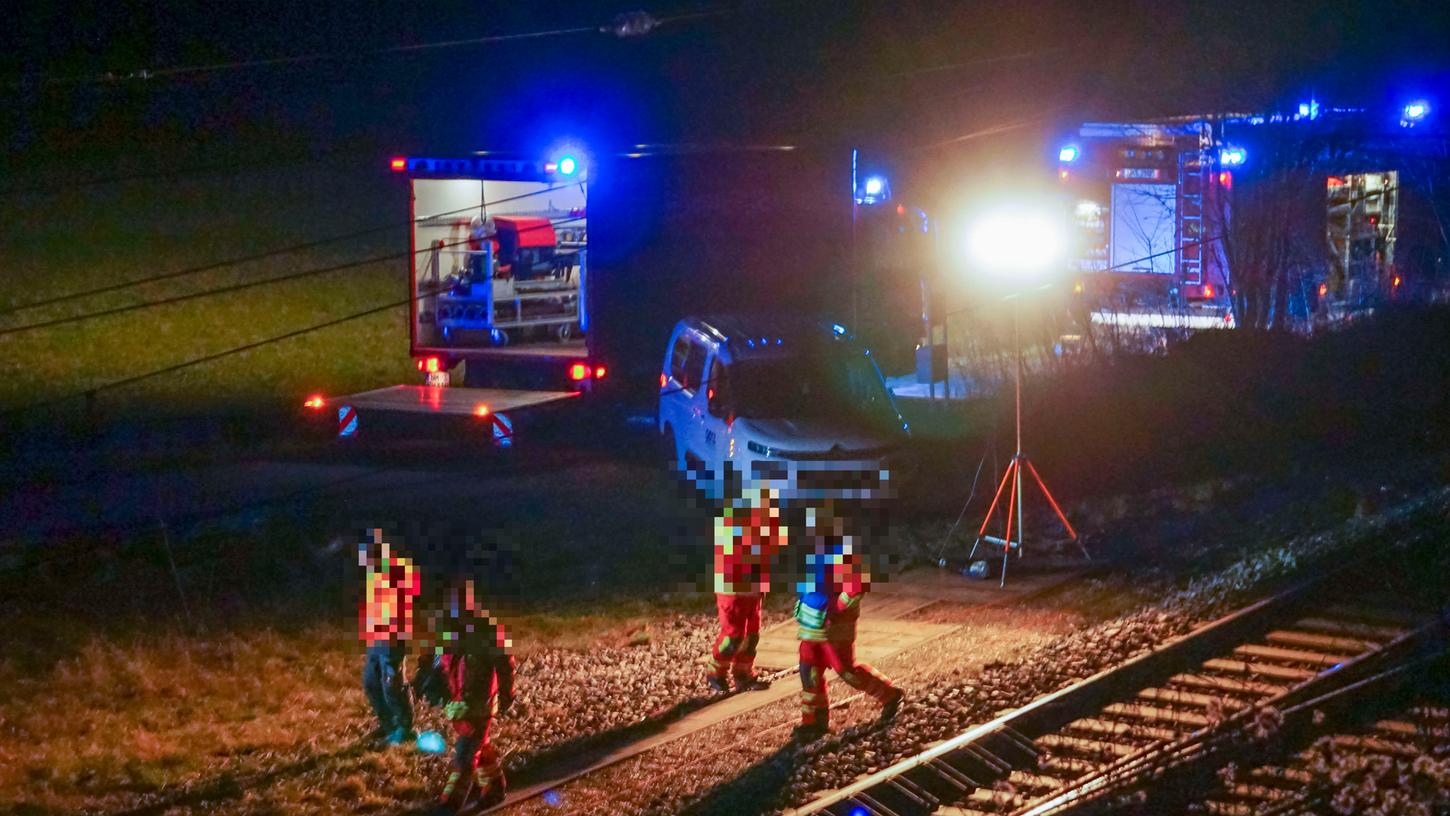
[[771, 71]]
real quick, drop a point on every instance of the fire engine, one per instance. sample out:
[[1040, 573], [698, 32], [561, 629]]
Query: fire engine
[[1150, 203]]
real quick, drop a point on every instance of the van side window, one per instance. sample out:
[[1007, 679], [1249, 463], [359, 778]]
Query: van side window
[[719, 389], [694, 370], [678, 355]]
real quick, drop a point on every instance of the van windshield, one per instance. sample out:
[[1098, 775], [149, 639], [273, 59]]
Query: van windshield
[[843, 387]]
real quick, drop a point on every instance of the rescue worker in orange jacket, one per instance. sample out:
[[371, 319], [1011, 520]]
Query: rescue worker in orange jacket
[[827, 612], [386, 623], [746, 539], [474, 657]]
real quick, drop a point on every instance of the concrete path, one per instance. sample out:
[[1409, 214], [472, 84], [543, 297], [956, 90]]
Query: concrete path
[[881, 634]]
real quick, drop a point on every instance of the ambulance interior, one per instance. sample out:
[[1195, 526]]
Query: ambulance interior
[[498, 264]]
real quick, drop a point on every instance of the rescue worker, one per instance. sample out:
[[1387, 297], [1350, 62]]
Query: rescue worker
[[475, 660], [827, 611], [386, 622], [746, 539]]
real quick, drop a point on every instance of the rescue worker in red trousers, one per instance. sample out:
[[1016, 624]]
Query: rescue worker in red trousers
[[746, 539], [474, 658], [386, 623], [827, 612]]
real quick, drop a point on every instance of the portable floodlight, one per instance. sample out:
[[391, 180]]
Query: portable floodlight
[[1017, 248]]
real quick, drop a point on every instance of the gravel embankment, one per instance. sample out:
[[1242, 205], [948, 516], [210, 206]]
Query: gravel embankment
[[568, 699], [954, 708]]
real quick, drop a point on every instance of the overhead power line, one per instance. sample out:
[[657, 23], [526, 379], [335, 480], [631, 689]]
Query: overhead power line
[[113, 384], [626, 25], [271, 253], [975, 63], [61, 321]]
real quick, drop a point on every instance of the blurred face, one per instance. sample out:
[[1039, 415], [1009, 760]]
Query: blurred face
[[373, 551]]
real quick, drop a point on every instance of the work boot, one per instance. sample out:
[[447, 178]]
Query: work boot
[[892, 705], [716, 683], [492, 794], [456, 794], [808, 732], [750, 682]]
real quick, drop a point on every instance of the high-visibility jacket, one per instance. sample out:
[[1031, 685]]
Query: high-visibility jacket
[[830, 597], [745, 542], [386, 615], [479, 670]]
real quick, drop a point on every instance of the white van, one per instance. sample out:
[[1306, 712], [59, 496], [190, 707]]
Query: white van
[[788, 400]]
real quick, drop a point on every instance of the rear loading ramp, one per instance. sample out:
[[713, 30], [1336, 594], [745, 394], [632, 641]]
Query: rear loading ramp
[[459, 414], [451, 401]]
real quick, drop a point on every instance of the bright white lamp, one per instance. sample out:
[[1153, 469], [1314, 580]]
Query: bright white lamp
[[1019, 247], [1021, 243]]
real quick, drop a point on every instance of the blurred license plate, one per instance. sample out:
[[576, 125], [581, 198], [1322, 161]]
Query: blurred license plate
[[437, 379]]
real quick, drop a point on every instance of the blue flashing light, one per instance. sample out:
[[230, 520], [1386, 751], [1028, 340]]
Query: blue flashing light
[[431, 742], [859, 811], [1068, 154], [873, 190], [1232, 156], [1415, 111], [838, 329], [552, 798], [568, 165]]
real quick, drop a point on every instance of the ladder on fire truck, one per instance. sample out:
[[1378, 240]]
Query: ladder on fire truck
[[1194, 178]]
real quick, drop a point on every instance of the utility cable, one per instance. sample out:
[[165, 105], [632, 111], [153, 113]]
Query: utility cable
[[628, 25], [264, 254], [243, 348], [1017, 57], [60, 321]]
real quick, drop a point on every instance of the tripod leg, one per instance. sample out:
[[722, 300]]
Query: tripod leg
[[1007, 474], [1062, 517], [1011, 505], [996, 498]]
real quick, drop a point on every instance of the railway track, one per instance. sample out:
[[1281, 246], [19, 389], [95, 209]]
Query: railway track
[[1171, 717], [1295, 785]]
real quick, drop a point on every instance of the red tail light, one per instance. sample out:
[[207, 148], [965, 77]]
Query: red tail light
[[432, 365], [398, 164], [481, 411], [1395, 282], [599, 372], [314, 402], [578, 371], [1208, 290], [663, 380]]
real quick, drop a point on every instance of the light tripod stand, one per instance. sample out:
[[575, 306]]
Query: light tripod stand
[[1013, 476]]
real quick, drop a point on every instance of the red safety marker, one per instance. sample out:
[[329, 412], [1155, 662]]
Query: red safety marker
[[346, 421], [502, 429]]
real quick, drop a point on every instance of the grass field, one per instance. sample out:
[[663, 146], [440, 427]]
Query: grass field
[[60, 242]]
